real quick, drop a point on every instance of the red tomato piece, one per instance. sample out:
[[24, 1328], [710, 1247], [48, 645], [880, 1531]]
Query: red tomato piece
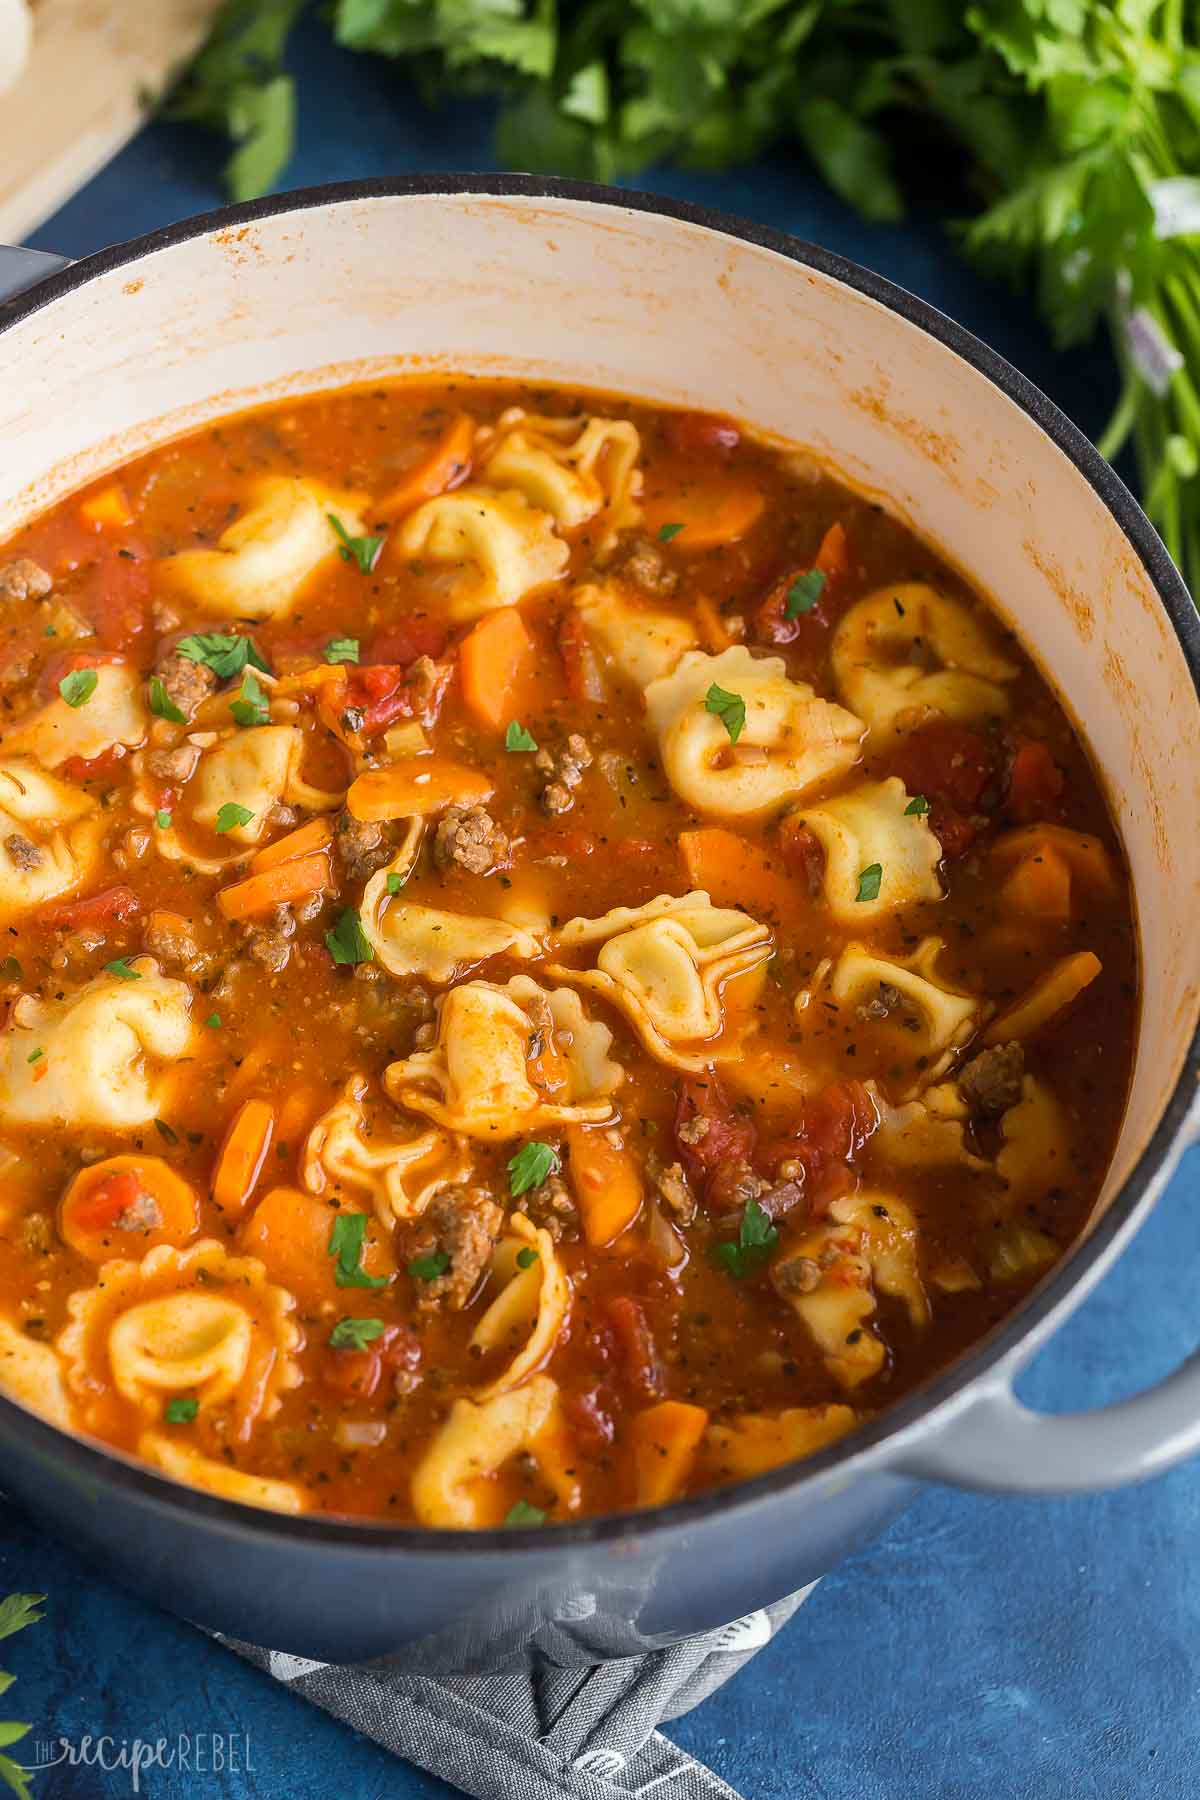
[[580, 666], [954, 769], [406, 639], [1035, 783], [590, 1415], [830, 1134], [636, 1349], [359, 1372], [802, 852], [713, 1142], [105, 1203], [90, 768], [807, 629], [108, 907], [380, 692], [692, 433]]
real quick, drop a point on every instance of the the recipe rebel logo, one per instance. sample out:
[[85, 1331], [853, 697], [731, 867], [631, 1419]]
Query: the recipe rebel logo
[[201, 1755]]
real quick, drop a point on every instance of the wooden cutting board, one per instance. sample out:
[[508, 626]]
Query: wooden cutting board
[[84, 93]]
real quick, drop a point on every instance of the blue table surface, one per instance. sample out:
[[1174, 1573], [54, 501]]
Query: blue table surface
[[983, 1647]]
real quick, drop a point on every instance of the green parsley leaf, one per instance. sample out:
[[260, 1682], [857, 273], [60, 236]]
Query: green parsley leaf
[[161, 703], [214, 1020], [166, 1132], [225, 653], [163, 820], [120, 966], [523, 1514], [355, 1334], [395, 882], [756, 1239], [231, 815], [250, 707], [347, 942], [526, 1257], [78, 687], [729, 708], [870, 881], [17, 1611], [804, 593], [181, 1411], [346, 1241], [341, 650], [428, 1268], [917, 807], [530, 1166], [667, 532], [517, 738], [34, 1055], [361, 550]]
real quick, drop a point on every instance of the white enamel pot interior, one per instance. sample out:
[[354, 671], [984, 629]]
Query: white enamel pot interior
[[510, 276]]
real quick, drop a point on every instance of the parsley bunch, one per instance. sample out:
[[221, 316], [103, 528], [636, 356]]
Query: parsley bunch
[[1076, 124], [16, 1612]]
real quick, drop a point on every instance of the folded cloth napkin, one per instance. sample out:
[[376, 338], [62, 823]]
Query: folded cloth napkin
[[541, 1732]]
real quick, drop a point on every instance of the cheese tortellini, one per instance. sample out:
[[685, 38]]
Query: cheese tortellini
[[870, 825], [906, 997], [111, 715], [641, 643], [791, 740], [30, 1372], [498, 547], [454, 1483], [532, 1305], [49, 837], [570, 469], [508, 1061], [869, 1244], [755, 1442], [411, 939], [184, 1463], [351, 1150], [99, 1057], [1037, 1145], [198, 1323], [266, 557], [907, 651], [666, 965]]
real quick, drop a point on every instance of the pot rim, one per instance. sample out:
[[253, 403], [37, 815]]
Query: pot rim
[[87, 1462]]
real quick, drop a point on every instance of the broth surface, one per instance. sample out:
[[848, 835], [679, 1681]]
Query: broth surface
[[773, 1156]]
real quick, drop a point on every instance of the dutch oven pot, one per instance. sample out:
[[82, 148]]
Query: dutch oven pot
[[597, 288]]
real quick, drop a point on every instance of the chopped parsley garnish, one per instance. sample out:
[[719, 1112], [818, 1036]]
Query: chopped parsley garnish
[[34, 1055], [756, 1239], [181, 1412], [729, 708], [870, 881], [667, 532], [214, 1020], [524, 1514], [346, 1241], [355, 1334], [804, 593], [161, 703], [120, 966], [395, 882], [250, 707], [340, 650], [225, 653], [166, 1132], [428, 1268], [347, 942], [526, 1257], [162, 819], [231, 815], [517, 738], [917, 807], [361, 550], [530, 1167], [79, 686]]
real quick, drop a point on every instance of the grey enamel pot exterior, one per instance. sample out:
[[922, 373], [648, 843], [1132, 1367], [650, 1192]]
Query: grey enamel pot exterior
[[599, 288]]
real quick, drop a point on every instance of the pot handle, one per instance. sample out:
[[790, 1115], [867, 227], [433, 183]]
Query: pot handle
[[21, 269], [1001, 1446]]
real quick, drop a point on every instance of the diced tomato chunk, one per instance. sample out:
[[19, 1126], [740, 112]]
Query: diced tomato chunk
[[359, 1372], [689, 433], [406, 639], [104, 1204], [90, 768], [108, 907], [380, 691], [810, 627], [590, 1416], [636, 1349], [802, 852], [714, 1143], [580, 666], [830, 1134], [1035, 783], [955, 769]]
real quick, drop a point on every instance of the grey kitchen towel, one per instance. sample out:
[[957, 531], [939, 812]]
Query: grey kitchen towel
[[541, 1733]]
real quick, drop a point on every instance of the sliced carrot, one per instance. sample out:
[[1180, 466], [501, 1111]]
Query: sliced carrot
[[833, 553], [287, 881], [297, 1110], [107, 509], [713, 630], [242, 1155], [414, 787], [444, 466], [1039, 886], [707, 514], [490, 660], [1047, 998], [313, 836], [734, 872], [125, 1206], [607, 1186], [251, 1072], [289, 1231], [666, 1438]]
